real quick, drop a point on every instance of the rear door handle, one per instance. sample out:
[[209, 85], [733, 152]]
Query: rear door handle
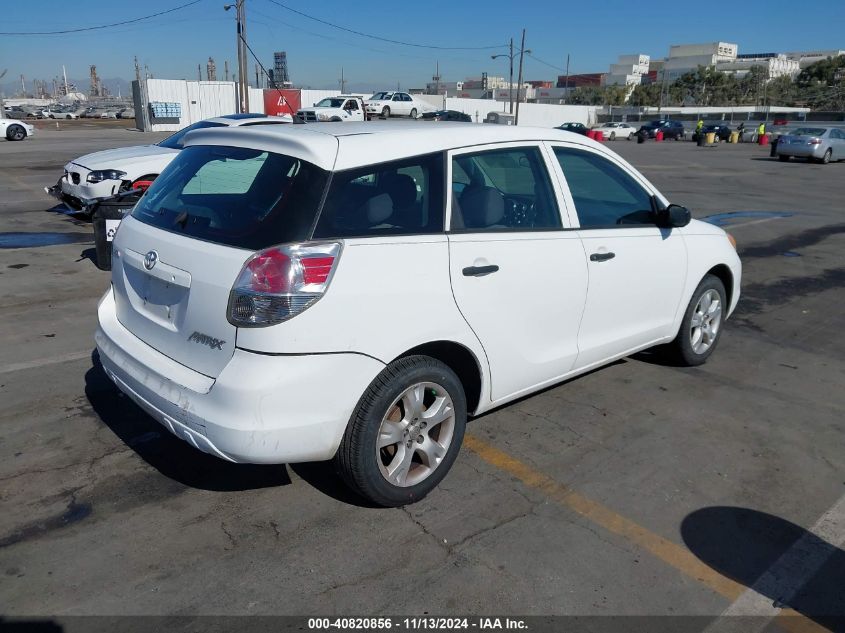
[[479, 271], [601, 257]]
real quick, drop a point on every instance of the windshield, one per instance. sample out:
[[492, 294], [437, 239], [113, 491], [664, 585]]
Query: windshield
[[382, 96], [809, 131], [235, 196], [174, 141], [330, 103]]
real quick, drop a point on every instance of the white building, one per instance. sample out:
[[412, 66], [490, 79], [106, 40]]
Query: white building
[[629, 71], [686, 58], [806, 58], [775, 65]]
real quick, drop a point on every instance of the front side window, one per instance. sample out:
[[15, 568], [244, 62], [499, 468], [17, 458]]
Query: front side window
[[396, 198], [330, 102], [235, 196], [605, 196], [504, 189]]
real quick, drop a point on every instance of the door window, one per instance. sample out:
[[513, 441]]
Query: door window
[[505, 189], [604, 195]]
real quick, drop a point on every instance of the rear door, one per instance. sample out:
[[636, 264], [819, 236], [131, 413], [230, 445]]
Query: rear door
[[637, 271], [177, 256], [518, 277]]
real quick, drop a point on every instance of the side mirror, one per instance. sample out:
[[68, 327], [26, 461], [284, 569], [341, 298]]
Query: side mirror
[[673, 216]]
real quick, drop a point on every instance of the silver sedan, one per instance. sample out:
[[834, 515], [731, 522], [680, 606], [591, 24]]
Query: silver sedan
[[819, 144]]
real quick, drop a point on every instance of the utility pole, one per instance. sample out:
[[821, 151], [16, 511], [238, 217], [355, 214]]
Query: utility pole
[[257, 79], [226, 69], [342, 82], [199, 72], [241, 77], [64, 74], [566, 87], [519, 80]]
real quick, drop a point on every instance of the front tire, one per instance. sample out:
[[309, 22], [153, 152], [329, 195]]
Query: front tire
[[15, 133], [385, 112], [405, 432], [701, 326]]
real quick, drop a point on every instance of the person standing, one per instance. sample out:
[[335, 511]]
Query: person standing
[[761, 131], [698, 127], [740, 128]]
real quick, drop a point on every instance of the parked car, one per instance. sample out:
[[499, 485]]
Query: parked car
[[126, 113], [446, 115], [62, 114], [15, 130], [671, 129], [105, 173], [722, 131], [258, 318], [388, 104], [819, 144], [578, 128], [108, 114], [613, 131], [23, 112], [340, 108]]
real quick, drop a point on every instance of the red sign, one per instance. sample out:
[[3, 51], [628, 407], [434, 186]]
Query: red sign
[[278, 102]]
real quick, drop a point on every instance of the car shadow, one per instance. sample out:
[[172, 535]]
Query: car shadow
[[322, 476], [169, 455], [743, 544]]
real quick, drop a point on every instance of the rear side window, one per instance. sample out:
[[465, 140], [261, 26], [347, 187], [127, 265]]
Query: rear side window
[[235, 196], [395, 198], [604, 195]]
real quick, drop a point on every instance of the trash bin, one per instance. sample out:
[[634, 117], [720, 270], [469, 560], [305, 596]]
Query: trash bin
[[700, 140], [734, 137], [598, 135], [106, 214], [774, 151], [641, 136], [711, 138], [763, 139], [658, 135]]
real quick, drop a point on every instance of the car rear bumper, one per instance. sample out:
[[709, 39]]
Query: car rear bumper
[[261, 409], [803, 151]]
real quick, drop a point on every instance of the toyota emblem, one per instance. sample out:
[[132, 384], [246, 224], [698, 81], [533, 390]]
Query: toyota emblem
[[150, 260]]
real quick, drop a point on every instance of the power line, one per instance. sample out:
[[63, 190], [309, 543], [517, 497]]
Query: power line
[[266, 74], [537, 59], [383, 39], [104, 26]]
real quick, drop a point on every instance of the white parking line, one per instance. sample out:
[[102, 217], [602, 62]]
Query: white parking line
[[729, 227], [794, 569], [41, 362]]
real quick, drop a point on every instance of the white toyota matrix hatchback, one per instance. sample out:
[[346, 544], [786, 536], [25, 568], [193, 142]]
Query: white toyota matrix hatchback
[[354, 291]]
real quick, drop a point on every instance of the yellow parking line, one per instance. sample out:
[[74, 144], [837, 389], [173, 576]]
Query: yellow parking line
[[671, 553]]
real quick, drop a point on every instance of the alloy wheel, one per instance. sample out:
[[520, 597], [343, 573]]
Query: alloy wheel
[[706, 321], [415, 434]]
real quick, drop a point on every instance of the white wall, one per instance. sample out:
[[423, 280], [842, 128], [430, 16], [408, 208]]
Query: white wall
[[310, 97], [533, 114], [199, 100]]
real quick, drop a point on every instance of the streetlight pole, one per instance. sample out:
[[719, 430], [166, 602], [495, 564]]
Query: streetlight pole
[[510, 76], [511, 55]]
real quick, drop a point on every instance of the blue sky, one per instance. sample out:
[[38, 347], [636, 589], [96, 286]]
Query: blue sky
[[593, 33]]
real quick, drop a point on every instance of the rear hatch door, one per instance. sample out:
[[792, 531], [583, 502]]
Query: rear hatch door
[[179, 253]]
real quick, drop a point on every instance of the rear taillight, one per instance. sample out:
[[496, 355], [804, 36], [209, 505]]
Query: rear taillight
[[280, 282], [815, 141]]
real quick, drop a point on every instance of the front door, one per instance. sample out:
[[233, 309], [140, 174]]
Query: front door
[[518, 278], [637, 270]]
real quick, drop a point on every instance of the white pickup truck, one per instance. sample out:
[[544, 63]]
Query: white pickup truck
[[340, 108]]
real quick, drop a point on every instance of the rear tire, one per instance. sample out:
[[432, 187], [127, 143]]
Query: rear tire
[[385, 112], [405, 432], [413, 113], [15, 133], [783, 158], [701, 326], [613, 136], [826, 158]]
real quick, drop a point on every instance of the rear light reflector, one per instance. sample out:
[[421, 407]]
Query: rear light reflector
[[280, 282], [815, 141]]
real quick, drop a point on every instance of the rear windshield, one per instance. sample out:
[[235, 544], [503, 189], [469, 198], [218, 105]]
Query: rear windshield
[[235, 196], [809, 131], [174, 141]]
